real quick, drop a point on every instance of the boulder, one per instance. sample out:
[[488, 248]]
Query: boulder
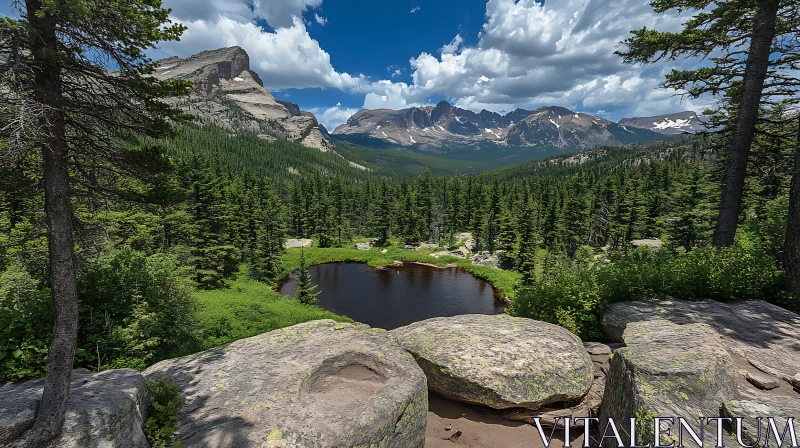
[[363, 246], [487, 259], [499, 361], [654, 243], [105, 410], [666, 370], [766, 335], [296, 243], [317, 384], [448, 253], [778, 407], [596, 348], [762, 382]]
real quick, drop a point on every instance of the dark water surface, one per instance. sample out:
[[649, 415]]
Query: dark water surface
[[397, 296]]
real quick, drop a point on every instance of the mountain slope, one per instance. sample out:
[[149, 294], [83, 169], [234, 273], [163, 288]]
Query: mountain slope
[[435, 129], [669, 124], [229, 95]]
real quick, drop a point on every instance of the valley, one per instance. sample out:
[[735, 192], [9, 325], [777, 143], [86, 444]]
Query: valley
[[285, 224]]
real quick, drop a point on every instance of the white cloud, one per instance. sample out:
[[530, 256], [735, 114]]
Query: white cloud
[[528, 55], [287, 58], [415, 9], [333, 117], [453, 46]]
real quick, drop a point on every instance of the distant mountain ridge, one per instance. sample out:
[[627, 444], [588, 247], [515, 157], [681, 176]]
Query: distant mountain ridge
[[229, 95], [434, 127], [669, 124]]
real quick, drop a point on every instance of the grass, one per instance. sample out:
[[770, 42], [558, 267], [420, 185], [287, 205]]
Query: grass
[[246, 308]]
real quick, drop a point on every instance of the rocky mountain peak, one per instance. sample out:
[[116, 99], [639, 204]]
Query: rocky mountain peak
[[228, 94]]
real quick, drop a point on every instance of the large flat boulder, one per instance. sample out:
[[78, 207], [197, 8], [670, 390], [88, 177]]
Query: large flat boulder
[[499, 361], [317, 384], [666, 370], [766, 335], [105, 410]]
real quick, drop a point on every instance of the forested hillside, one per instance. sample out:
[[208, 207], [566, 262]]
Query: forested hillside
[[229, 202]]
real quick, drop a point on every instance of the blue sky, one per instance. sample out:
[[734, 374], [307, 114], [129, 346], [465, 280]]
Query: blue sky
[[334, 57]]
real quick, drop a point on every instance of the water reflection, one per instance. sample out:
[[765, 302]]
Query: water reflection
[[396, 296]]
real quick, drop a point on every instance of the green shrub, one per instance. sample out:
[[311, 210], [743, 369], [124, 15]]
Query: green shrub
[[567, 295], [24, 325], [167, 401], [575, 295]]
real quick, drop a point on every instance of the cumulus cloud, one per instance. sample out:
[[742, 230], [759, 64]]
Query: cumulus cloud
[[531, 54], [320, 20], [528, 54], [333, 117], [288, 57]]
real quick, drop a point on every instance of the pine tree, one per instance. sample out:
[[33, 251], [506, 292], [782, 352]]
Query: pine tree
[[306, 292]]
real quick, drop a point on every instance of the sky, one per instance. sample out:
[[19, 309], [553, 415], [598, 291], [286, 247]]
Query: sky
[[334, 57]]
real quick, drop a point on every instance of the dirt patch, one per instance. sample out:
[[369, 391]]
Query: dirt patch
[[479, 427]]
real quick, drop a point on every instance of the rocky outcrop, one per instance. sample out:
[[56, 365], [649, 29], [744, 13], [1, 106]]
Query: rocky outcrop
[[780, 408], [228, 94], [488, 258], [105, 410], [666, 370], [320, 383], [296, 243], [766, 335], [499, 361]]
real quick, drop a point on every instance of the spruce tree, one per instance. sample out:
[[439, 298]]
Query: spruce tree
[[83, 120], [306, 293]]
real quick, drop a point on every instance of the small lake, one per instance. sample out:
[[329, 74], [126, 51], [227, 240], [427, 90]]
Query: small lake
[[396, 296]]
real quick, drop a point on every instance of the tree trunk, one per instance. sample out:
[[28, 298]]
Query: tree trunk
[[793, 231], [52, 408], [754, 75]]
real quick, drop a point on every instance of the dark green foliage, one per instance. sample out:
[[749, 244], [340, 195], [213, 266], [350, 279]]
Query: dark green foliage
[[24, 325], [167, 401], [306, 291], [135, 310], [575, 295]]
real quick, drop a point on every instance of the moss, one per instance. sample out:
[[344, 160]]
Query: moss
[[275, 435]]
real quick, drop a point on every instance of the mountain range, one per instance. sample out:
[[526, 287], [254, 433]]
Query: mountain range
[[443, 125], [228, 94]]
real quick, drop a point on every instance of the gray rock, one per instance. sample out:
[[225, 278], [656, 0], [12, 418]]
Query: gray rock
[[296, 243], [363, 246], [762, 381], [780, 408], [796, 380], [411, 248], [229, 95], [596, 348], [448, 253], [105, 410], [666, 370], [654, 243], [487, 259], [766, 335], [317, 384], [499, 361]]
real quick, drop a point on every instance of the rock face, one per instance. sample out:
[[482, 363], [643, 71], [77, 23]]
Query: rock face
[[443, 125], [105, 410], [766, 335], [666, 370], [230, 95], [499, 361], [317, 384], [780, 408]]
